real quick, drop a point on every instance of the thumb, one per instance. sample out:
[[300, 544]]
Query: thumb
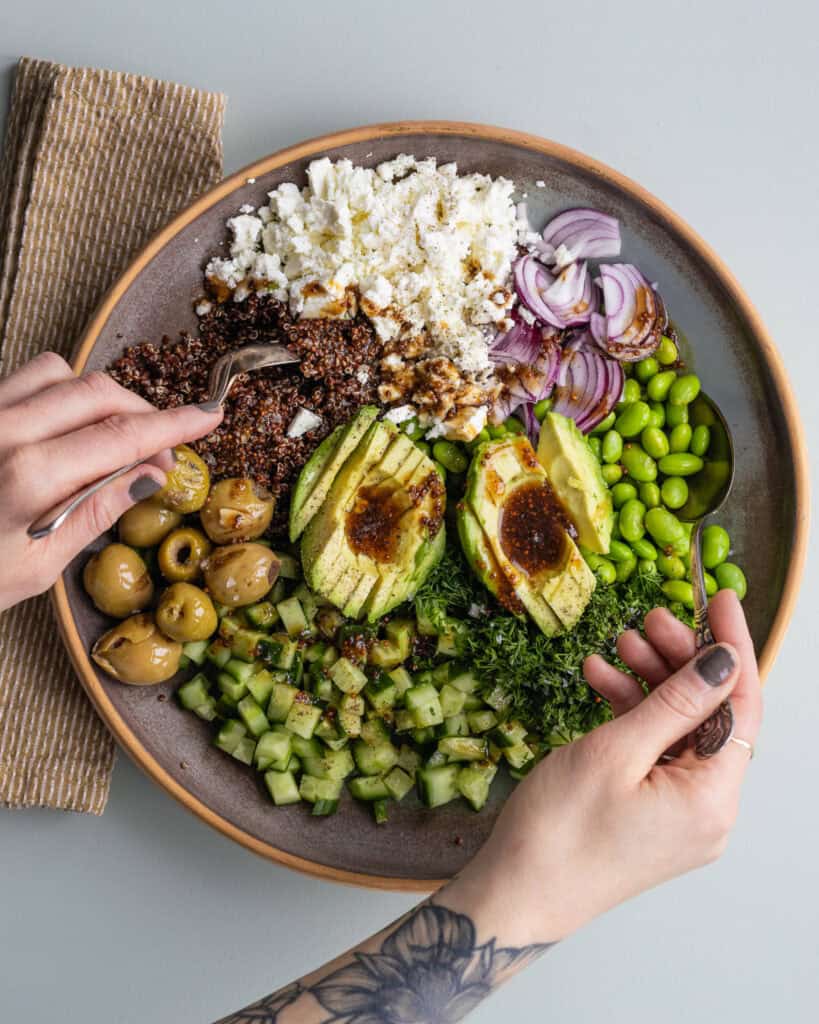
[[676, 707]]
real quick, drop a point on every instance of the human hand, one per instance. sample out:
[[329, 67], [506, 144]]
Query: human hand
[[600, 820], [59, 433]]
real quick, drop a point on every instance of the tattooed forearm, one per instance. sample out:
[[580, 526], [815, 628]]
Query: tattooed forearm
[[429, 970]]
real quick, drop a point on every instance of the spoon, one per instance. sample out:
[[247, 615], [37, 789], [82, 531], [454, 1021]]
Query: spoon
[[707, 491], [224, 373]]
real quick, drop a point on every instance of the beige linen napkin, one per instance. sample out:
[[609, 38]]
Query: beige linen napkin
[[94, 163]]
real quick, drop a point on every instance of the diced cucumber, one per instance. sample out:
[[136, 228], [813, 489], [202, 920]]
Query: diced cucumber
[[333, 764], [278, 592], [244, 644], [437, 757], [518, 756], [278, 651], [305, 749], [508, 734], [289, 568], [375, 732], [312, 789], [404, 721], [438, 785], [292, 615], [497, 699], [472, 702], [380, 692], [466, 682], [321, 808], [207, 711], [423, 736], [385, 654], [240, 670], [261, 685], [324, 688], [368, 788], [229, 626], [307, 600], [327, 730], [400, 632], [253, 716], [352, 702], [330, 657], [398, 783], [374, 760], [474, 781], [425, 626], [455, 725], [425, 705], [448, 646], [402, 680], [463, 748], [347, 676], [409, 759], [281, 701], [303, 716], [294, 764], [244, 750], [452, 700], [328, 621], [262, 615], [218, 653], [440, 674], [481, 721], [230, 687], [282, 787], [195, 692], [196, 651], [315, 652], [273, 750], [380, 811], [350, 723], [225, 707]]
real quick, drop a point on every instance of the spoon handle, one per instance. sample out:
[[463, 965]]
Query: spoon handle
[[717, 729]]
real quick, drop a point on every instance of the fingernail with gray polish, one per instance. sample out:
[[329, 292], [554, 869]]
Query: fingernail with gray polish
[[715, 666], [143, 487], [209, 407]]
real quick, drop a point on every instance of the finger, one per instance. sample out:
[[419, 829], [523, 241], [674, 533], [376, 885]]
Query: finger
[[672, 639], [677, 706], [69, 405], [621, 690], [60, 467], [46, 369], [97, 515], [642, 658]]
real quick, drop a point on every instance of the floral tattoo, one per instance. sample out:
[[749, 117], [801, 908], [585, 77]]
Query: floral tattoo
[[429, 970]]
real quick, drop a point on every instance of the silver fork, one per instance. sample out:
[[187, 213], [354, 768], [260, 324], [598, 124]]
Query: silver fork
[[224, 373]]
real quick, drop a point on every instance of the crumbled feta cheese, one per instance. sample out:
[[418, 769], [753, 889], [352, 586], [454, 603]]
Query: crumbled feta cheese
[[400, 414], [540, 184], [203, 308], [362, 374], [247, 208], [303, 422]]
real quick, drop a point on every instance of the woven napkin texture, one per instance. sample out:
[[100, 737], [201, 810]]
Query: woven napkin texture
[[94, 163]]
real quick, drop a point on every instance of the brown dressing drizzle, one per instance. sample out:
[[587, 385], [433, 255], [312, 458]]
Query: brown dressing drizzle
[[373, 525], [533, 528]]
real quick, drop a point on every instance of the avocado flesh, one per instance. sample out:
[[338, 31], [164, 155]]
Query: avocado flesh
[[554, 597], [319, 472], [576, 479], [384, 475]]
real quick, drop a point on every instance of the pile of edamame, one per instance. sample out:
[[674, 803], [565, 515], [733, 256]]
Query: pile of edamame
[[647, 449]]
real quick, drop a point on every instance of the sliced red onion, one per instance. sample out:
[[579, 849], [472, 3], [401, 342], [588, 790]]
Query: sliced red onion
[[520, 344], [571, 297], [532, 279], [583, 234], [589, 384], [631, 327]]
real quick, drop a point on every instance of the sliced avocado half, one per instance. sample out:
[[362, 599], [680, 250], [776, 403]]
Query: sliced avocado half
[[577, 480], [514, 533], [320, 470]]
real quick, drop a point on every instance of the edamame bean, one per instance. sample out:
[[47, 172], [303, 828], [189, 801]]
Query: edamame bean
[[660, 384], [700, 440], [450, 456], [413, 429], [655, 442], [639, 464], [674, 492], [625, 569], [612, 447], [496, 431], [731, 577], [675, 415], [643, 548], [423, 446], [671, 566], [632, 419], [541, 408], [680, 464], [623, 492], [657, 418], [682, 547], [711, 586], [479, 438], [680, 438], [596, 446], [679, 590], [666, 351], [631, 520], [715, 546], [605, 571], [664, 526], [514, 425], [611, 474], [603, 425], [619, 552], [646, 368], [631, 392], [650, 494], [646, 567], [684, 389]]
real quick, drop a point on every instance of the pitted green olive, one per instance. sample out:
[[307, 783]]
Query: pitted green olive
[[180, 555], [236, 509], [136, 652], [187, 485], [240, 574], [145, 524], [186, 613], [117, 581]]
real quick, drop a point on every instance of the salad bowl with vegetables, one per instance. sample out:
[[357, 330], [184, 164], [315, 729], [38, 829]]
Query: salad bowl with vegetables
[[351, 677]]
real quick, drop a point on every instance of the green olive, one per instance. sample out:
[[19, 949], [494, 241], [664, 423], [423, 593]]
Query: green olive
[[136, 652], [187, 485], [117, 581], [236, 509], [180, 555], [145, 524], [186, 613], [240, 574]]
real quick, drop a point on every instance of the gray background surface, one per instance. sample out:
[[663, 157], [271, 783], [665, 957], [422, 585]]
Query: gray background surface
[[146, 914]]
